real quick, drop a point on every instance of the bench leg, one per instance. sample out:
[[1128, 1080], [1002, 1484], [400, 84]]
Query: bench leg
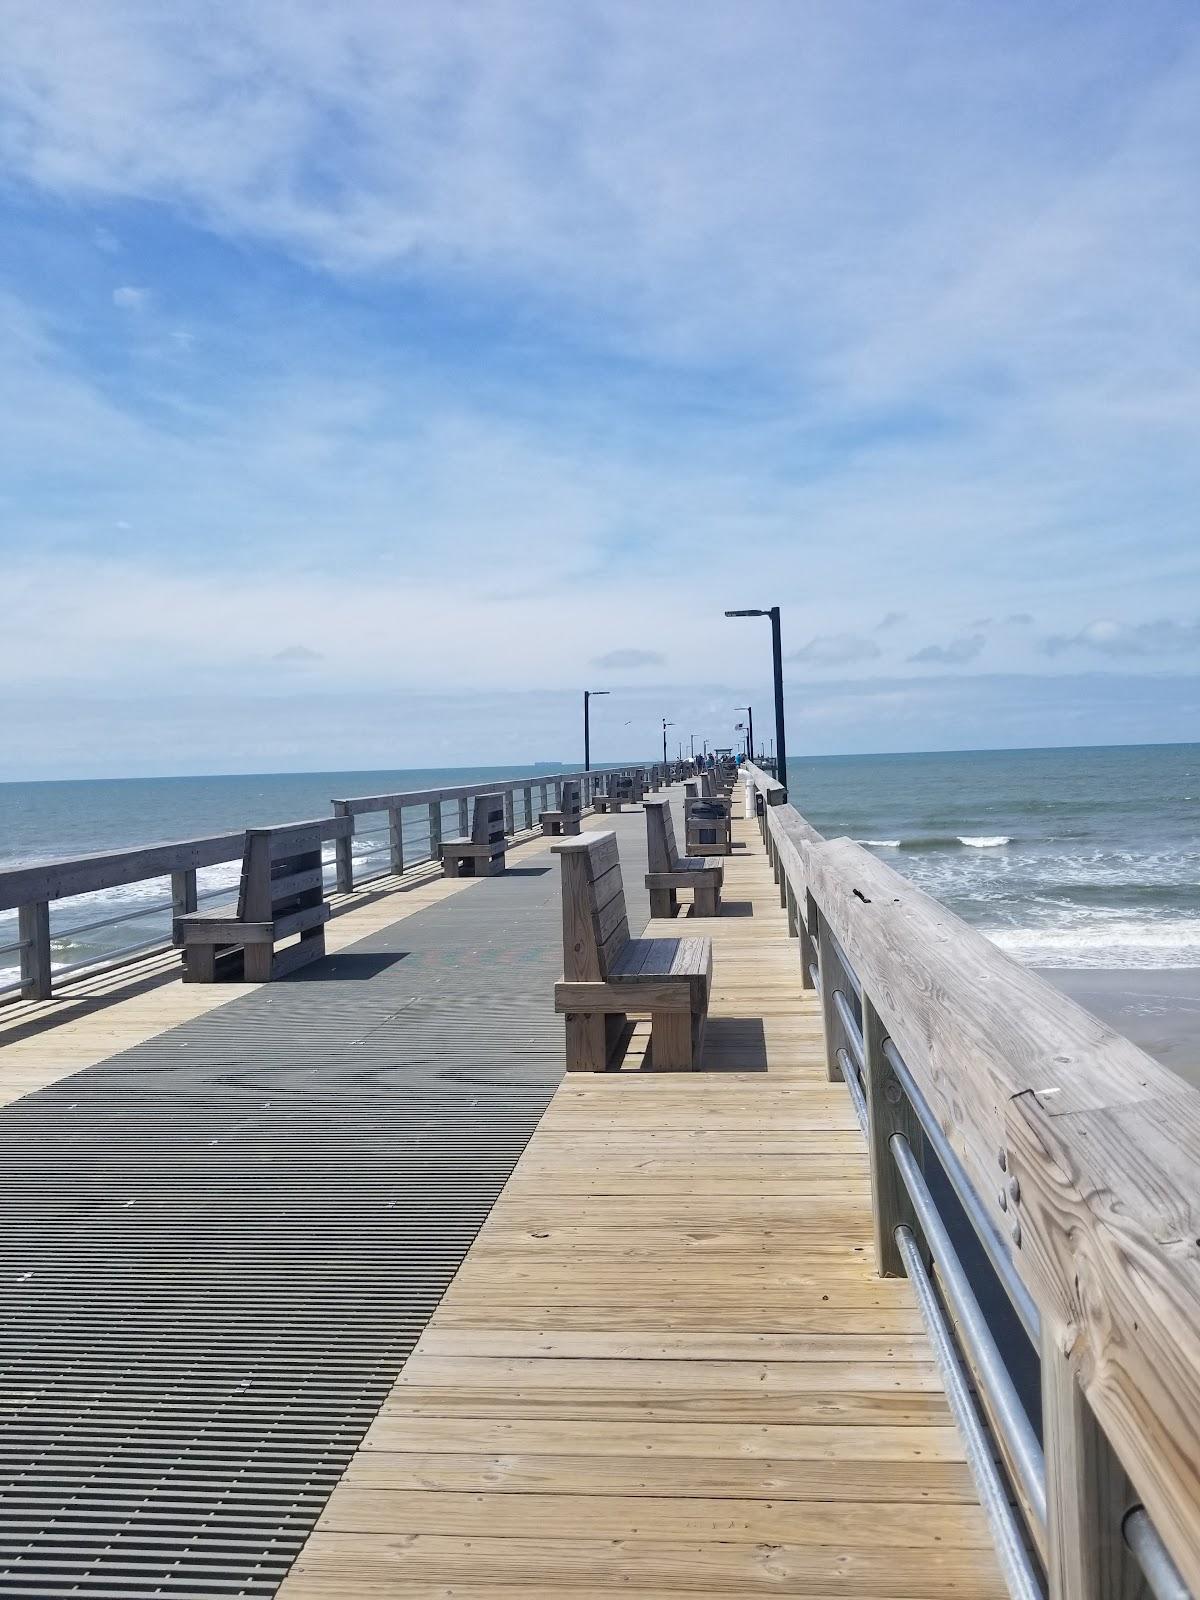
[[663, 902], [706, 902], [593, 1039], [200, 963], [258, 962], [671, 1041]]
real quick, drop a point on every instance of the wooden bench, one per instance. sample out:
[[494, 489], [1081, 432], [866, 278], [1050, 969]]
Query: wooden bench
[[619, 794], [566, 820], [482, 854], [669, 871], [607, 975], [708, 825], [281, 893]]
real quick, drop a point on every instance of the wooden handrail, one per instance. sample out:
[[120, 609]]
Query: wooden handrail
[[356, 805], [1085, 1154]]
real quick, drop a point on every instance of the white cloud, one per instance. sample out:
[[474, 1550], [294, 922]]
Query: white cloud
[[620, 660], [955, 654], [952, 339], [1164, 636], [835, 650]]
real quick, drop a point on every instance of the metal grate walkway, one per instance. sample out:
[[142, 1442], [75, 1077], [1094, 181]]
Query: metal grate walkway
[[221, 1245]]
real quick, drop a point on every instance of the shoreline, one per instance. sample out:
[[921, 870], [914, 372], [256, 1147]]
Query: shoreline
[[1158, 1008]]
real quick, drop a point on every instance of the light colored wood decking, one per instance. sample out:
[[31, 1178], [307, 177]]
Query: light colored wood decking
[[667, 1365], [92, 1018]]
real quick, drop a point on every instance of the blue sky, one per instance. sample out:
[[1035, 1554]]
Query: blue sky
[[375, 377]]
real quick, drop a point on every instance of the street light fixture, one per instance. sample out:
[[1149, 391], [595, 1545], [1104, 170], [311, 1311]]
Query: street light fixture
[[666, 725], [777, 662], [587, 729], [749, 710]]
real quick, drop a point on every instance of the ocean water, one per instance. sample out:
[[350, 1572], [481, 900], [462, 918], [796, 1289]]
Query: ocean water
[[1066, 858], [41, 821]]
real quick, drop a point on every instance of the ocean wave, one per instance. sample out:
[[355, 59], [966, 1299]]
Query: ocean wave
[[942, 841], [1132, 944]]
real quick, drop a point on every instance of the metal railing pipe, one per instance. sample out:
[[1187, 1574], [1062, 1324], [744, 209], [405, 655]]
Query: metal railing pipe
[[1011, 1418], [850, 1027], [989, 1235], [1016, 1564], [1153, 1557], [857, 1098]]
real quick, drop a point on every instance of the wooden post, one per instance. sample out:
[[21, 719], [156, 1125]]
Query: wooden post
[[808, 954], [558, 794], [343, 853], [888, 1112], [510, 821], [396, 837], [1087, 1492], [435, 829], [33, 929], [183, 896], [464, 819], [528, 792], [827, 968]]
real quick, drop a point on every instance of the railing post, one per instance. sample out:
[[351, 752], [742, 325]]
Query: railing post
[[464, 819], [510, 820], [183, 896], [888, 1112], [1087, 1492], [826, 969], [528, 792], [558, 794], [343, 853], [396, 838], [33, 930], [808, 952], [435, 829]]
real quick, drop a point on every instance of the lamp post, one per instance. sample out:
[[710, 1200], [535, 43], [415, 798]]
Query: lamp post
[[587, 727], [693, 737], [666, 725], [777, 662], [749, 710]]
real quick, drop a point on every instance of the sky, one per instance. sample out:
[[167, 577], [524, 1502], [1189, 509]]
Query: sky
[[376, 377]]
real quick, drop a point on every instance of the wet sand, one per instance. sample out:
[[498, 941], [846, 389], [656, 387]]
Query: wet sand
[[1159, 1010]]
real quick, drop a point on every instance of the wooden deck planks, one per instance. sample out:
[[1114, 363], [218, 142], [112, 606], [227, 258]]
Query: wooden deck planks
[[667, 1366], [94, 1017]]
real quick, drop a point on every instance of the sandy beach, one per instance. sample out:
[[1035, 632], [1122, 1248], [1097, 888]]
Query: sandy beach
[[1159, 1010]]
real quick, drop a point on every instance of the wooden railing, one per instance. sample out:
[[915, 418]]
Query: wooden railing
[[431, 802], [33, 890], [1075, 1158]]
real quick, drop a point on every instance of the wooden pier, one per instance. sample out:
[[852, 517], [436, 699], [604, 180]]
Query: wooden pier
[[507, 1332]]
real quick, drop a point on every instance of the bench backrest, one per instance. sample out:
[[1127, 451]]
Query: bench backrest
[[281, 867], [661, 849], [571, 806], [706, 783], [620, 786], [487, 820], [595, 927]]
